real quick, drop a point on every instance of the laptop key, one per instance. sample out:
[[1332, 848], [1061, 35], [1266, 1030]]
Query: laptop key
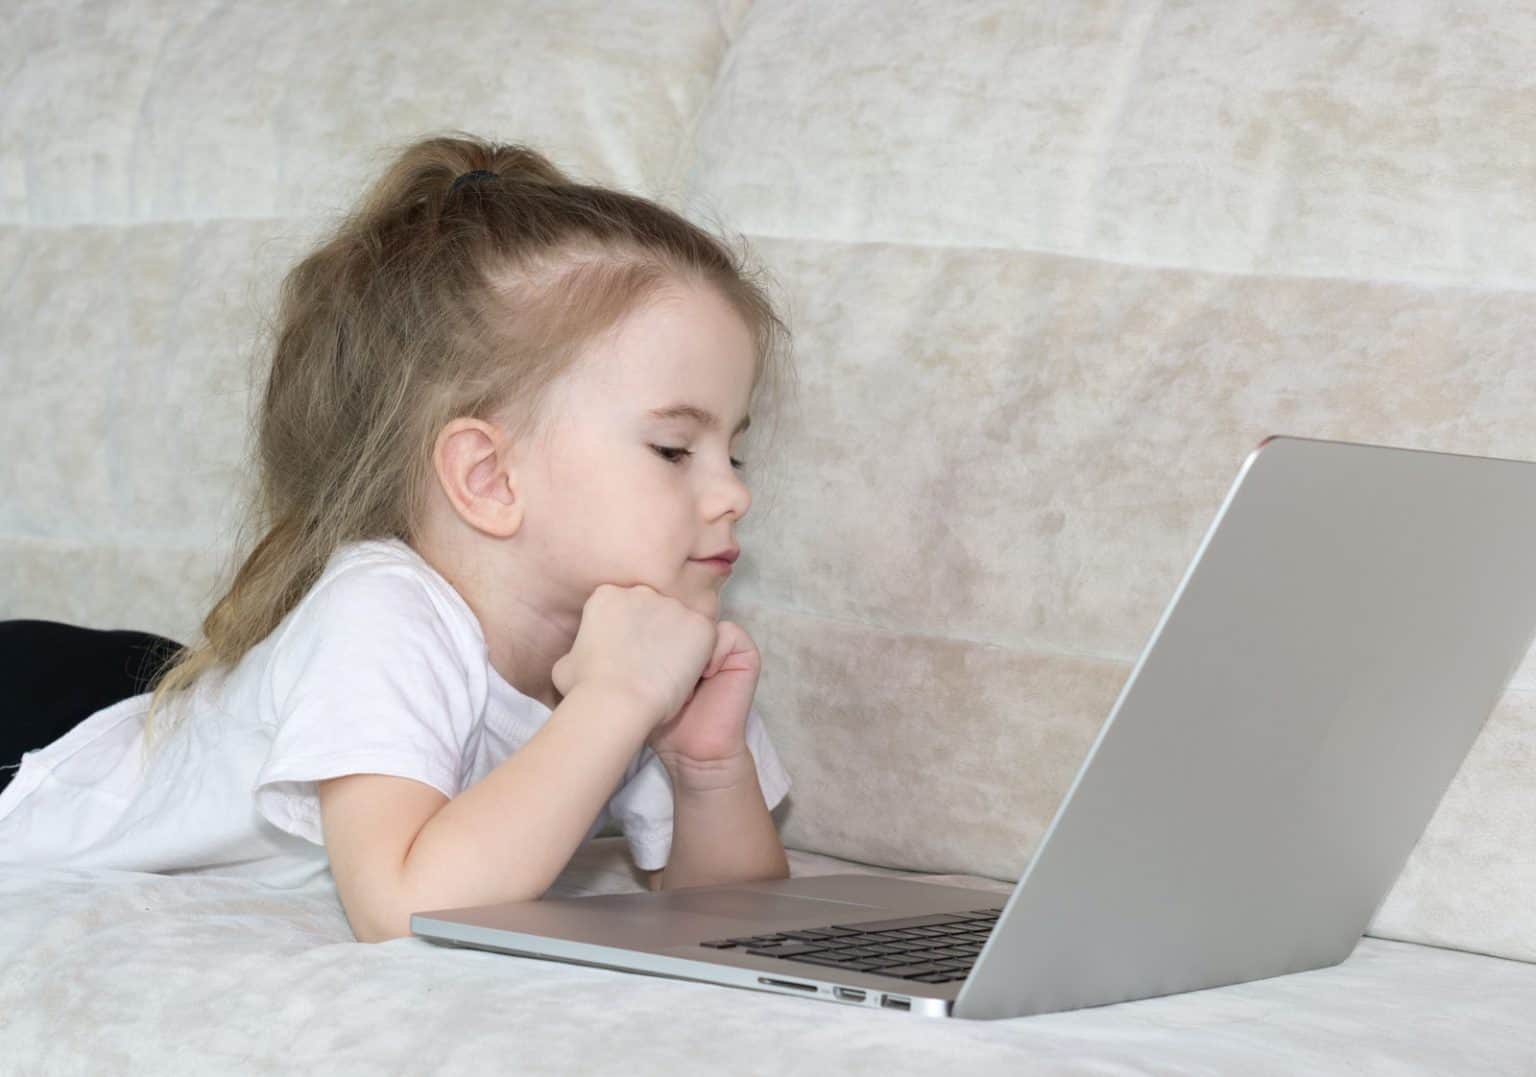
[[869, 965], [908, 922], [785, 951], [850, 966], [817, 959], [909, 971]]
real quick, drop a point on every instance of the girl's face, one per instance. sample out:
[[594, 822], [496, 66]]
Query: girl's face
[[627, 496]]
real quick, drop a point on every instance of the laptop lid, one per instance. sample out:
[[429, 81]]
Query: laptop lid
[[1352, 616]]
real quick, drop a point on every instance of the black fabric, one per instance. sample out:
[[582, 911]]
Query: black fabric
[[55, 675]]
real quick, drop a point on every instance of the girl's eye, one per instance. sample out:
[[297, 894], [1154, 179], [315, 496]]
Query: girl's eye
[[663, 452]]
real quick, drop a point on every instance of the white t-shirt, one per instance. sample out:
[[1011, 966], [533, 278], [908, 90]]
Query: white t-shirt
[[381, 668]]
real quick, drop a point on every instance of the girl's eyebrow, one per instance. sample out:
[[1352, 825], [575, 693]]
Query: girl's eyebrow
[[702, 416]]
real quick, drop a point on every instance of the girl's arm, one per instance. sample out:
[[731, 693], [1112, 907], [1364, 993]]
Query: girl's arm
[[397, 846], [721, 830]]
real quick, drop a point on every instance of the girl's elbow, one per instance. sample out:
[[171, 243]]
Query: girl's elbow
[[379, 928]]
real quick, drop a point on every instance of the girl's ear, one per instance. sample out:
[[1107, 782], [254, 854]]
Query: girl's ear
[[473, 463]]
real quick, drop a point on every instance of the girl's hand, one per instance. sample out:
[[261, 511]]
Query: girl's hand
[[711, 728], [646, 644]]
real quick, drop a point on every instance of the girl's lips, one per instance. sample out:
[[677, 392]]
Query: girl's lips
[[718, 564]]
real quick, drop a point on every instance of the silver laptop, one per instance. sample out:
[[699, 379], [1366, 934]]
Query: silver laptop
[[1352, 616]]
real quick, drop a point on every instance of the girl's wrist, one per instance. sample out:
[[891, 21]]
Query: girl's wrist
[[709, 775]]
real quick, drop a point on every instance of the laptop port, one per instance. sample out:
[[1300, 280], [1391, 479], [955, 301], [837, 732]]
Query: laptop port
[[895, 1002], [851, 994], [769, 980]]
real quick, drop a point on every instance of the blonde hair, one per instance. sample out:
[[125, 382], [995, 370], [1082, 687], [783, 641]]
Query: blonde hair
[[430, 301]]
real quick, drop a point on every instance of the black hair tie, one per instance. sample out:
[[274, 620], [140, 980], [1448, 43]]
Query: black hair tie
[[470, 177]]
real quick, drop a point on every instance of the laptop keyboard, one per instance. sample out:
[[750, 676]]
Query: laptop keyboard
[[932, 949]]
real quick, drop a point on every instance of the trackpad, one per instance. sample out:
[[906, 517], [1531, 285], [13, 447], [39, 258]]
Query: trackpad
[[743, 905]]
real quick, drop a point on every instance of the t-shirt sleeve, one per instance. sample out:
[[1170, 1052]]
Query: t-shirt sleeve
[[643, 805], [367, 678]]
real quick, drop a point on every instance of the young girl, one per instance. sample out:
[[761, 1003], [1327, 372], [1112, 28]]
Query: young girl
[[497, 505]]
